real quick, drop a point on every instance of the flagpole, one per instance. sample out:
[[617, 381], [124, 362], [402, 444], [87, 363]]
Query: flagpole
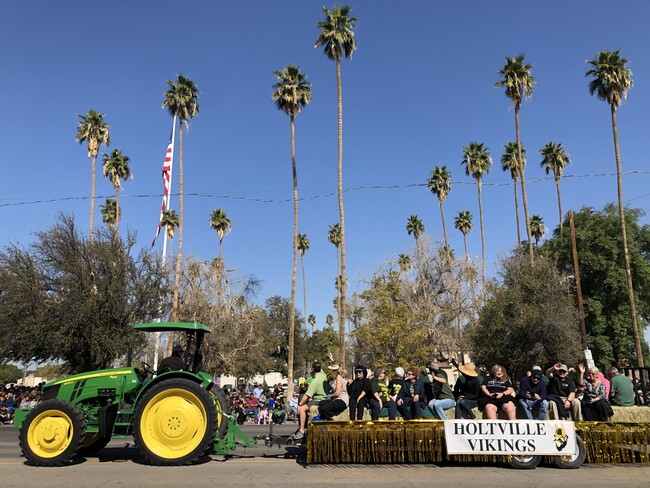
[[164, 253]]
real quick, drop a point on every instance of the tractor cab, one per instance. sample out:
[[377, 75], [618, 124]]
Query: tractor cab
[[194, 334]]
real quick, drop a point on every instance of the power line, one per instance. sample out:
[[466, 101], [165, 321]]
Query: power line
[[319, 196]]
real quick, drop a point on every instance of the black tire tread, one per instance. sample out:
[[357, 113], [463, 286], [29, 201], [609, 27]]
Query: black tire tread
[[206, 444], [225, 408], [79, 426]]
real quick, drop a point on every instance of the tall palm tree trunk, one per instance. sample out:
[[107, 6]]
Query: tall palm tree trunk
[[292, 307], [344, 286], [117, 212], [93, 171], [559, 201], [480, 211], [304, 292], [523, 184], [221, 251], [465, 245], [628, 271], [179, 252], [514, 181], [444, 226]]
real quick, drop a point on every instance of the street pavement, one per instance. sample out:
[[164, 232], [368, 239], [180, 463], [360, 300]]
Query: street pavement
[[118, 465]]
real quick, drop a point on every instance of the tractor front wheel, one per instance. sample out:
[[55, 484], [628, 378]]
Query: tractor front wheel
[[52, 433], [175, 423]]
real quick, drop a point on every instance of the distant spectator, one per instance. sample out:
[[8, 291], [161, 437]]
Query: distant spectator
[[251, 406], [621, 392]]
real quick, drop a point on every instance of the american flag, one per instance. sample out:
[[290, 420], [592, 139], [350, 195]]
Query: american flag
[[167, 178]]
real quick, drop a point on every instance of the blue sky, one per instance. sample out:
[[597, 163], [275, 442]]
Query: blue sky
[[418, 89]]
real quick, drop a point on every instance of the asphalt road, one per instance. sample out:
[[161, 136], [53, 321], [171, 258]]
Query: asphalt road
[[118, 465]]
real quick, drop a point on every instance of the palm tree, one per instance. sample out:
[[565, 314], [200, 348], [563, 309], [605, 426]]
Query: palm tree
[[292, 92], [463, 222], [329, 320], [537, 228], [554, 159], [404, 262], [337, 38], [312, 322], [170, 221], [612, 79], [519, 83], [334, 236], [510, 162], [440, 185], [220, 222], [477, 161], [303, 246], [116, 168], [109, 213], [93, 130], [182, 101]]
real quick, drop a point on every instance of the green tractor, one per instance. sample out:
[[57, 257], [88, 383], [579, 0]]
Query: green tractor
[[175, 417]]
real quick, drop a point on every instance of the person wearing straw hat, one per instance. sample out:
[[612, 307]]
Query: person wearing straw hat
[[467, 391]]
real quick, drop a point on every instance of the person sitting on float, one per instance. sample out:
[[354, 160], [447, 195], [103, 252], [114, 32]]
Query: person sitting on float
[[497, 393]]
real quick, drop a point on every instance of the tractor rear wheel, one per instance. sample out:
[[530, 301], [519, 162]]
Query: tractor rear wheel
[[52, 433], [175, 423], [223, 409]]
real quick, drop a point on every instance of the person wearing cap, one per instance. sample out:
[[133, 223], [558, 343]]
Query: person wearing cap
[[313, 396], [544, 377], [532, 395], [467, 391], [338, 400], [359, 392], [173, 362], [561, 390]]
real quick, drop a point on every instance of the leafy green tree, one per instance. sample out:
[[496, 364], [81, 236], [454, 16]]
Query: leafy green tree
[[537, 228], [109, 213], [220, 222], [94, 131], [182, 102], [278, 317], [440, 185], [612, 79], [529, 318], [463, 222], [292, 93], [477, 161], [519, 83], [116, 168], [337, 39], [554, 159], [9, 373], [510, 162], [603, 280], [320, 343], [65, 299]]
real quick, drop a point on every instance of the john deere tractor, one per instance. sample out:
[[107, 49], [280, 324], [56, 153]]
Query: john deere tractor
[[175, 417]]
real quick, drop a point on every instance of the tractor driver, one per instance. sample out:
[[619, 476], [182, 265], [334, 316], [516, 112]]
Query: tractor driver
[[173, 362]]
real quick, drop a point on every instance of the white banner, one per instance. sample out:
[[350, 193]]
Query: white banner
[[520, 437]]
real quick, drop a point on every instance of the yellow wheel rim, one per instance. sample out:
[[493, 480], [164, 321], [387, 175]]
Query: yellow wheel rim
[[50, 433], [173, 423], [217, 404]]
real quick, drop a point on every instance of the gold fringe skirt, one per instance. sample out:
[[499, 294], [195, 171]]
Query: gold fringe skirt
[[422, 441]]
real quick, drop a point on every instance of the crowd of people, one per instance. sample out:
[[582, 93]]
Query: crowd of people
[[577, 394], [13, 397]]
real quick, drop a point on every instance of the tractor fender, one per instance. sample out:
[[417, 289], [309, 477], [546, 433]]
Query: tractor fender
[[200, 379]]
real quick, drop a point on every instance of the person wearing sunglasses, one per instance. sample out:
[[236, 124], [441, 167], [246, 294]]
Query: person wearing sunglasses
[[561, 390]]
